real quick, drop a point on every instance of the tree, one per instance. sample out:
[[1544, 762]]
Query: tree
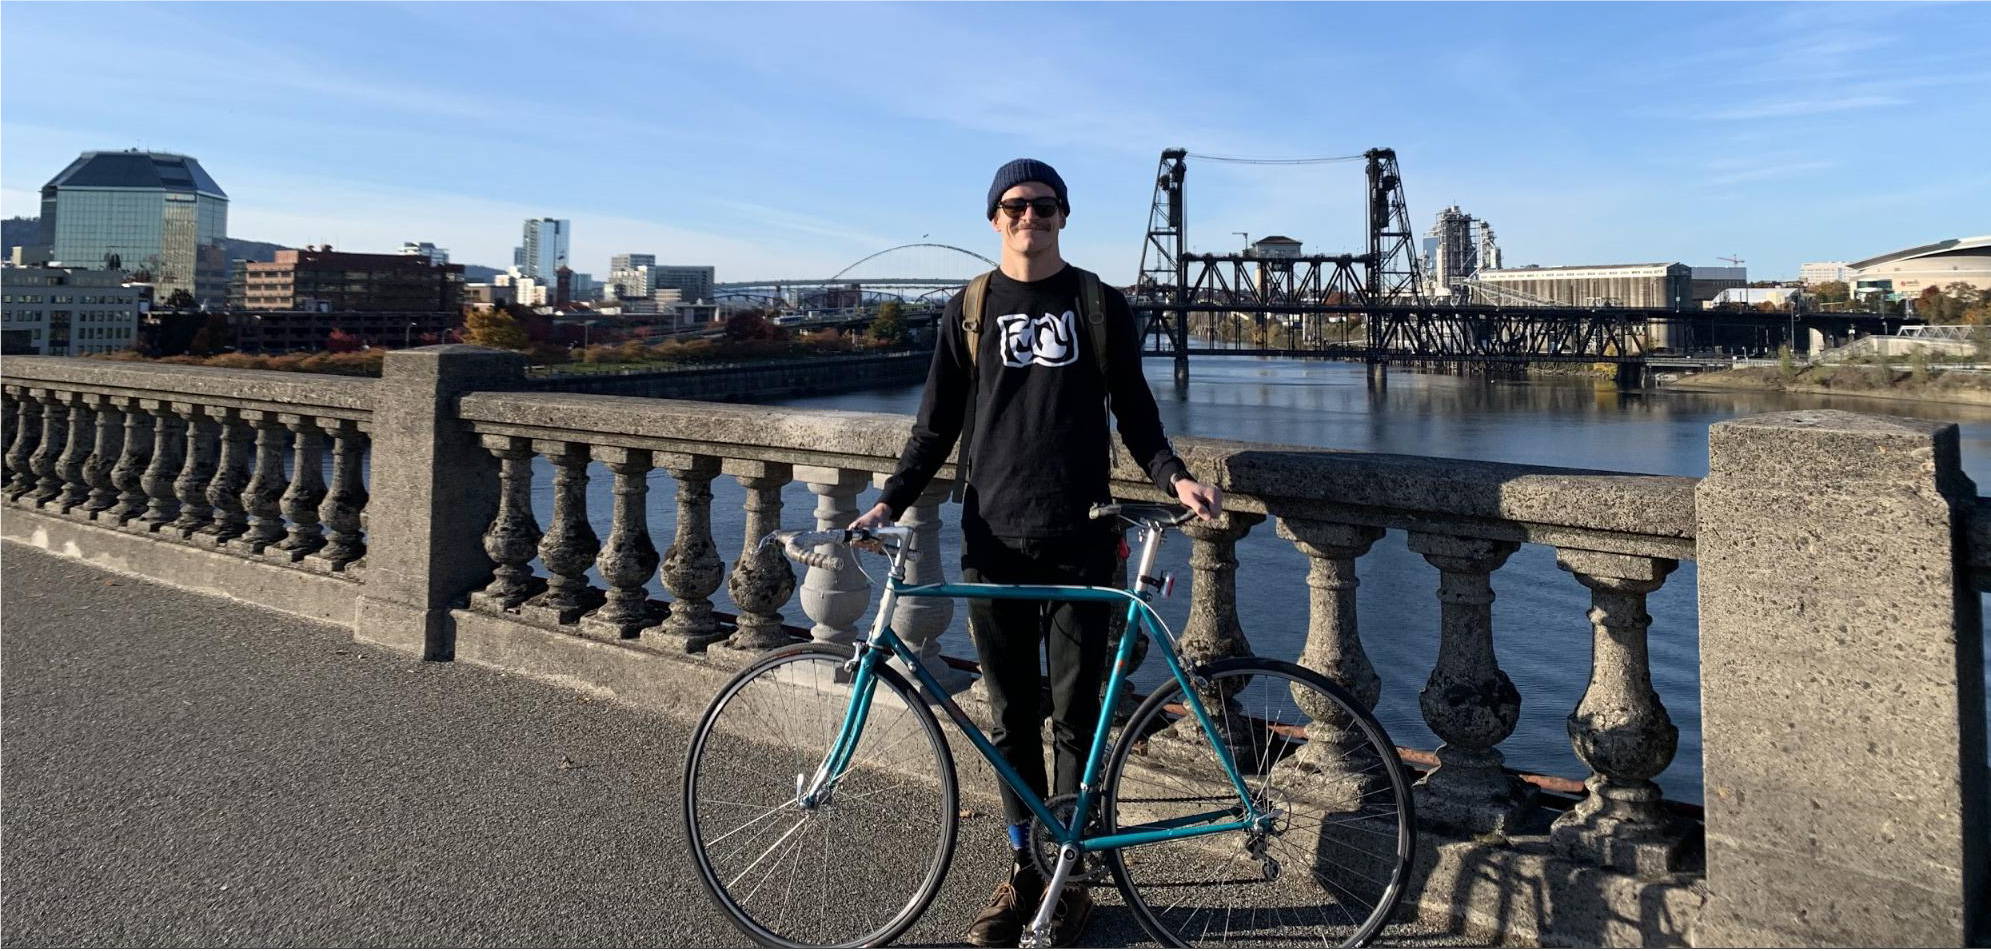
[[750, 325], [211, 338], [180, 299], [1833, 292], [338, 341], [889, 327], [1932, 306], [494, 328]]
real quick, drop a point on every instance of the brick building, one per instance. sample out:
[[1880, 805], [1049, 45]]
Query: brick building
[[285, 331], [321, 279]]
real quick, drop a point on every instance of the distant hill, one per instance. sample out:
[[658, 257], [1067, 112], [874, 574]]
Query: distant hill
[[25, 230]]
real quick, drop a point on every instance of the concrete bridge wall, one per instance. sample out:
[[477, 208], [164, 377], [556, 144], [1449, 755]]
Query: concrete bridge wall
[[1845, 776], [759, 382]]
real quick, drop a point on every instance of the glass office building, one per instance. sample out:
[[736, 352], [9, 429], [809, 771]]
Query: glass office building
[[154, 215]]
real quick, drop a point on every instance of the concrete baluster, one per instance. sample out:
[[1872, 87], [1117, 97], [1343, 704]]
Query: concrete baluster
[[168, 448], [77, 444], [262, 498], [345, 499], [231, 476], [1334, 648], [628, 556], [1212, 633], [129, 473], [103, 456], [692, 569], [1620, 728], [306, 490], [921, 621], [512, 539], [54, 430], [762, 580], [26, 418], [834, 600], [1469, 702], [10, 409], [570, 545], [196, 471]]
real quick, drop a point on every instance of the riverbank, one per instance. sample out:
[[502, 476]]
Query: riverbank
[[1871, 382]]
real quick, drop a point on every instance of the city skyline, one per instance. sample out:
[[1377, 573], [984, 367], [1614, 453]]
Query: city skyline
[[722, 138]]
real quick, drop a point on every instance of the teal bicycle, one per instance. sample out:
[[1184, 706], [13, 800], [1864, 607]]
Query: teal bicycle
[[821, 802]]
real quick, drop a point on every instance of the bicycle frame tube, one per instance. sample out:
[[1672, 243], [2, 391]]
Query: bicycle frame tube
[[1140, 619]]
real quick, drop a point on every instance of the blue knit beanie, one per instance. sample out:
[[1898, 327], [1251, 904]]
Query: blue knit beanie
[[1027, 170]]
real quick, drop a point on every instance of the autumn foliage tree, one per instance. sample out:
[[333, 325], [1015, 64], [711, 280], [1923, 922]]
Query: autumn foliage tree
[[338, 341], [494, 328]]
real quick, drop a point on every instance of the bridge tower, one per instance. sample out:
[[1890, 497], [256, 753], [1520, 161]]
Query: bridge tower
[[1162, 278], [1393, 273]]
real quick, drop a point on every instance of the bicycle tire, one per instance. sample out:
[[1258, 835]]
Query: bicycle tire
[[900, 742], [1359, 821]]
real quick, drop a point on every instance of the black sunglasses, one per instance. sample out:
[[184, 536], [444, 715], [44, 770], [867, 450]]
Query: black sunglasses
[[1046, 207]]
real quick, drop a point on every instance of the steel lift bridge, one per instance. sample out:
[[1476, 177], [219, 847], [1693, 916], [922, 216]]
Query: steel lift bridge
[[1368, 305]]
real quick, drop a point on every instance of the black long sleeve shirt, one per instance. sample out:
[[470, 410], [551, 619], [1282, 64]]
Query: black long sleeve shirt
[[1040, 448]]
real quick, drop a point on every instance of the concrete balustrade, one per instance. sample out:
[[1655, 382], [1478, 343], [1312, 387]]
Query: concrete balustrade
[[1843, 733]]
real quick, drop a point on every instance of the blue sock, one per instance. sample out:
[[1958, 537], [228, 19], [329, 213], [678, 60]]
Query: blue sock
[[1019, 836]]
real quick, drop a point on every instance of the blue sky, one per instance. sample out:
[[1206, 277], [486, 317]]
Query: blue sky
[[790, 140]]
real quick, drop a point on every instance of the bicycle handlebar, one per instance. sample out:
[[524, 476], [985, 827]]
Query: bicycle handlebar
[[1170, 515], [797, 545]]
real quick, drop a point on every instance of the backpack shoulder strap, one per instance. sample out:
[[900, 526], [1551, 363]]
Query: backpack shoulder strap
[[1092, 297], [974, 301]]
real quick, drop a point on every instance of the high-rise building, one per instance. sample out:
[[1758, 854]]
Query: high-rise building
[[629, 276], [425, 249], [545, 248], [1820, 272], [153, 215], [694, 281]]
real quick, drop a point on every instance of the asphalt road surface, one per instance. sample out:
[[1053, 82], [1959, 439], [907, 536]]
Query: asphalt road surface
[[182, 770]]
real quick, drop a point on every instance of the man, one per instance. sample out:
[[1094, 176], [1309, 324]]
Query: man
[[1037, 459]]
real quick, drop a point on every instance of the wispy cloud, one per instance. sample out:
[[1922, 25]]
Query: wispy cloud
[[1777, 108], [1767, 171]]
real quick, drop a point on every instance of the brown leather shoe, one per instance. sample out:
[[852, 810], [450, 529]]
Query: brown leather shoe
[[1069, 919], [1000, 924]]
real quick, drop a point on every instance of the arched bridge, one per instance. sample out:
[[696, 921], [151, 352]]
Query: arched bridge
[[843, 277]]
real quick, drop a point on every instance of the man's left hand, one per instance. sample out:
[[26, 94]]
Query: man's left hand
[[1207, 501]]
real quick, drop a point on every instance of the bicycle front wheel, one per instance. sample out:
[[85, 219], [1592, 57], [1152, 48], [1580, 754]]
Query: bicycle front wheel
[[1328, 868], [854, 870]]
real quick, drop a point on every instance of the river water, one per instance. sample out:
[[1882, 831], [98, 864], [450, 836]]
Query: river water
[[1541, 635]]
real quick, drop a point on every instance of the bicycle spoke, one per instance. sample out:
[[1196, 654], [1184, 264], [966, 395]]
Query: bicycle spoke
[[1209, 890], [816, 877]]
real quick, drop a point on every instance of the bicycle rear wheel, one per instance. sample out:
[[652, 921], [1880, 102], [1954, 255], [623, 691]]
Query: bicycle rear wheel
[[1329, 871], [853, 871]]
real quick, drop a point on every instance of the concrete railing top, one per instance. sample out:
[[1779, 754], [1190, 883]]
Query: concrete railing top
[[1606, 511], [344, 397]]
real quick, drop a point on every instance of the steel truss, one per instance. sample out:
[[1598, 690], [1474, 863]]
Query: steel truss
[[1476, 338]]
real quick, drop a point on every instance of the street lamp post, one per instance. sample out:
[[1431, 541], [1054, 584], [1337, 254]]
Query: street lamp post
[[407, 335]]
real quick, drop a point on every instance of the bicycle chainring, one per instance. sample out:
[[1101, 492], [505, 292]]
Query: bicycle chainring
[[1044, 844]]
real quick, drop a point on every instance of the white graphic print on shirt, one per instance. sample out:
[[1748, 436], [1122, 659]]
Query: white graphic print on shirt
[[1047, 341]]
